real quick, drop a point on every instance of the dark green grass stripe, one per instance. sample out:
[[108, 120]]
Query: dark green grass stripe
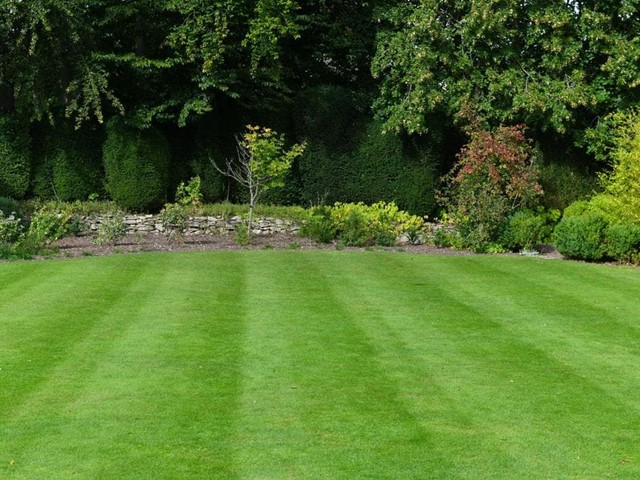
[[316, 404], [164, 388]]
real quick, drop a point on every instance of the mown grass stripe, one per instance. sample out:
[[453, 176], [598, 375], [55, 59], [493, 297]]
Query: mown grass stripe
[[271, 364], [501, 354], [315, 400], [158, 368], [36, 336], [406, 346], [577, 330]]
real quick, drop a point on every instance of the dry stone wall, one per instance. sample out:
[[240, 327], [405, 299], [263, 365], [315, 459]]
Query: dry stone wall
[[151, 224], [216, 225]]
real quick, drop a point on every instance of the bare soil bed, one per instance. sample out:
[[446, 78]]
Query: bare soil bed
[[84, 246]]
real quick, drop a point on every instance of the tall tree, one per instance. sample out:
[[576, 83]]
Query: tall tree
[[46, 63], [556, 65]]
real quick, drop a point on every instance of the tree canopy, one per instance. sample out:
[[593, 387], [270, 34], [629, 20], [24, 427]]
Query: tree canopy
[[556, 65], [421, 67]]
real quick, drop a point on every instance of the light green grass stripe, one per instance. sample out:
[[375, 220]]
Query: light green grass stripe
[[164, 388], [586, 329], [316, 405], [67, 347]]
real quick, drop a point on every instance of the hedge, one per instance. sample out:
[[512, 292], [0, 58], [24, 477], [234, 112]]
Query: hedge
[[136, 164], [15, 158]]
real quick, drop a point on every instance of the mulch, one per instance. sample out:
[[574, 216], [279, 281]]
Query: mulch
[[84, 246]]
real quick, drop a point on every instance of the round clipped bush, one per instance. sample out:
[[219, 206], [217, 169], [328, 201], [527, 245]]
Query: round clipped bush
[[136, 164], [623, 242], [15, 162], [527, 229], [576, 209], [582, 237]]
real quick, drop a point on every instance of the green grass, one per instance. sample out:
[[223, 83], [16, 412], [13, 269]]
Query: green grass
[[286, 364]]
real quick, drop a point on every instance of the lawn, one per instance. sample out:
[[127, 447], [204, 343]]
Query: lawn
[[311, 365]]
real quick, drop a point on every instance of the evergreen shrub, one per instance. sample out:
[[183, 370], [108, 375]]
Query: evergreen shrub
[[213, 184], [69, 163], [136, 165], [582, 237], [576, 209], [15, 158], [9, 206], [350, 159], [564, 184], [623, 242], [527, 228]]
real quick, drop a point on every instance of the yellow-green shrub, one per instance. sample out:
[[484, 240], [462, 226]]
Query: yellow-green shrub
[[358, 224], [621, 197]]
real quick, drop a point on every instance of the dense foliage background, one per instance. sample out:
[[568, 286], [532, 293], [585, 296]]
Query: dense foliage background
[[380, 90]]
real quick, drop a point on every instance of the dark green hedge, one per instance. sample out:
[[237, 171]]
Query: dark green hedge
[[350, 159], [136, 164], [15, 158], [68, 163]]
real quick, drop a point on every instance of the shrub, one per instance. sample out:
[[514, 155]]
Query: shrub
[[174, 219], [380, 223], [47, 226], [447, 239], [350, 159], [136, 165], [69, 163], [213, 184], [526, 229], [621, 196], [355, 231], [111, 230], [623, 242], [576, 209], [10, 228], [582, 237], [190, 195], [15, 162], [494, 176], [563, 185], [74, 176], [15, 251], [242, 234], [9, 206], [319, 226]]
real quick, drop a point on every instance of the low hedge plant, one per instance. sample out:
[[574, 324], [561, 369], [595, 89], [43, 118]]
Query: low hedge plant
[[527, 229], [582, 237], [623, 242]]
